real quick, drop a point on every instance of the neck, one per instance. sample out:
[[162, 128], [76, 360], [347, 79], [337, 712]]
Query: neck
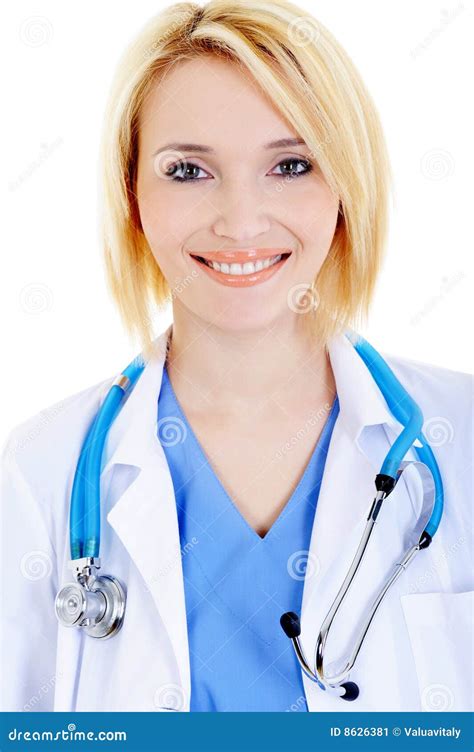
[[278, 368]]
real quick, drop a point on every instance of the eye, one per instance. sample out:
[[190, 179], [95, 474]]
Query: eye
[[189, 171], [293, 172]]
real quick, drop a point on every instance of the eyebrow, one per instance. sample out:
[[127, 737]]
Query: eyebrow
[[280, 144]]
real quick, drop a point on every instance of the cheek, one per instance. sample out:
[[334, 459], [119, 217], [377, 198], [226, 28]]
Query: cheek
[[317, 218], [163, 225]]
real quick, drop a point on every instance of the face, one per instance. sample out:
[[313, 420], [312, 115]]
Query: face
[[212, 184]]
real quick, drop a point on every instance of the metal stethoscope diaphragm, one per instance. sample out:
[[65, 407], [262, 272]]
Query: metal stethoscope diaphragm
[[96, 603]]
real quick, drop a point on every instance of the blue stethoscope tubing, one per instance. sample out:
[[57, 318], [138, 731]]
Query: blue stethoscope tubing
[[84, 520], [85, 506]]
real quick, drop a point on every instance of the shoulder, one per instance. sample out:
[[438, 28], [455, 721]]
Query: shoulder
[[37, 467], [43, 447], [433, 376], [444, 395]]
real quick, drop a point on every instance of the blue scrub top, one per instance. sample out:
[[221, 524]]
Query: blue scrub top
[[237, 584]]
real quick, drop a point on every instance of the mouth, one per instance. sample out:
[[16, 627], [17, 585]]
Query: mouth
[[245, 269]]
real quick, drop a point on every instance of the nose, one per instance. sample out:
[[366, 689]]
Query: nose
[[242, 212]]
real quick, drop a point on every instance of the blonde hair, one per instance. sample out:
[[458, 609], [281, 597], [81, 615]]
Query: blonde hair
[[316, 87]]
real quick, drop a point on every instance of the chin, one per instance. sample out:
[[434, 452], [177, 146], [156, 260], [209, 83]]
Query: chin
[[240, 320]]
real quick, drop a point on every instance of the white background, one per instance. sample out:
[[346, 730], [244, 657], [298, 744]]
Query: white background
[[60, 331]]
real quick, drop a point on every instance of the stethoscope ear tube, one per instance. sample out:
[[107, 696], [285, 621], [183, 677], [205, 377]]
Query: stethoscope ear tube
[[290, 621]]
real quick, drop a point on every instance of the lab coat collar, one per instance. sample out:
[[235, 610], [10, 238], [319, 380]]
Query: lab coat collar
[[360, 401]]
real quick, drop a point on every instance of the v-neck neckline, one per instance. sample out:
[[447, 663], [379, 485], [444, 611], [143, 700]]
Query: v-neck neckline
[[290, 501]]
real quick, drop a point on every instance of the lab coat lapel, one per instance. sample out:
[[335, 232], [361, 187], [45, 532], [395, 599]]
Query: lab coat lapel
[[356, 447], [144, 515]]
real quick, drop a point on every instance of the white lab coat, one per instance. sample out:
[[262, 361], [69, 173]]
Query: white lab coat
[[418, 652]]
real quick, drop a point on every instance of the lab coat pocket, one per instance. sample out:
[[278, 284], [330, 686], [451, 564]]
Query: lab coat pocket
[[441, 636]]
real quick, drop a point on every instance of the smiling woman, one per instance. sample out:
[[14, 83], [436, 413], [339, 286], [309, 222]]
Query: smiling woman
[[245, 181], [232, 127]]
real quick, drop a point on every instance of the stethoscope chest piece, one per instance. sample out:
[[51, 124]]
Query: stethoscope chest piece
[[94, 603]]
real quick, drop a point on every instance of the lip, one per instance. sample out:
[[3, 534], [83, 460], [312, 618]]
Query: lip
[[240, 255], [243, 280]]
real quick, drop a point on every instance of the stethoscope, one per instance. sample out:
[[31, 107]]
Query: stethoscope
[[96, 603]]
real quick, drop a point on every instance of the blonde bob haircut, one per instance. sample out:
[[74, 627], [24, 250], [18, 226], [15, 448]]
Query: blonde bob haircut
[[314, 85]]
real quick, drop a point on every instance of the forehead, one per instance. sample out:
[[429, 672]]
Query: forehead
[[210, 100]]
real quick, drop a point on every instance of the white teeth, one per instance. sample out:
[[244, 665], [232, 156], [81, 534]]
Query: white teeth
[[242, 269]]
